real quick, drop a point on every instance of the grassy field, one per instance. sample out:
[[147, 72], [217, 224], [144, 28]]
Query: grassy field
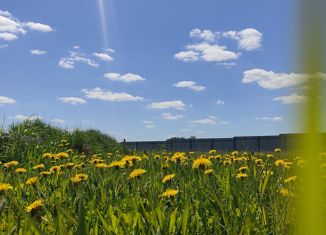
[[54, 189]]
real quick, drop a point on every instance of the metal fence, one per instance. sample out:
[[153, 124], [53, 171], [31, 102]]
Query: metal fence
[[242, 143]]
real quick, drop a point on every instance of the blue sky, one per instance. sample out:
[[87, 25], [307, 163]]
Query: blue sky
[[148, 70]]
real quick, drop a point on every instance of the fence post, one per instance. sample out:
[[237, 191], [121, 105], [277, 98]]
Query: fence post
[[190, 145], [124, 146], [212, 144], [258, 144], [234, 143]]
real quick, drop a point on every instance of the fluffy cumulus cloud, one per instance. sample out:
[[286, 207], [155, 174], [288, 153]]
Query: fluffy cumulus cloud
[[248, 39], [220, 102], [207, 35], [190, 85], [58, 121], [6, 100], [37, 52], [20, 117], [11, 27], [127, 78], [76, 57], [103, 56], [211, 120], [272, 80], [105, 95], [171, 117], [208, 48], [72, 100], [291, 99], [206, 52], [173, 104], [273, 119]]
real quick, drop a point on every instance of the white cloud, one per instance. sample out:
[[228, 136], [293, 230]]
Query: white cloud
[[103, 56], [127, 78], [206, 35], [38, 27], [271, 80], [147, 122], [207, 52], [187, 56], [185, 130], [37, 52], [72, 100], [220, 102], [248, 39], [6, 100], [171, 117], [69, 62], [190, 85], [210, 50], [291, 99], [20, 117], [8, 36], [11, 27], [149, 126], [227, 64], [101, 94], [206, 121], [58, 121], [3, 46], [273, 119], [174, 104]]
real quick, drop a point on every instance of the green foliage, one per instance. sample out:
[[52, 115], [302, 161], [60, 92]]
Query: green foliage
[[33, 137]]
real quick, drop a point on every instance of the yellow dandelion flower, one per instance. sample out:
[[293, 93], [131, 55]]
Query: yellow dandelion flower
[[39, 166], [290, 179], [284, 192], [209, 171], [70, 165], [137, 173], [269, 155], [31, 181], [277, 150], [96, 161], [243, 168], [227, 162], [117, 164], [78, 166], [36, 205], [168, 178], [5, 187], [47, 155], [45, 173], [241, 176], [10, 164], [55, 169], [61, 155], [212, 152], [20, 170], [101, 165], [235, 153], [78, 178], [157, 157], [259, 161], [132, 159], [201, 162], [179, 157], [170, 193], [279, 162]]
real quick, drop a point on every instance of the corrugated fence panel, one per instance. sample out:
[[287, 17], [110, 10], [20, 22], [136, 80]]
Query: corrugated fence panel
[[241, 143]]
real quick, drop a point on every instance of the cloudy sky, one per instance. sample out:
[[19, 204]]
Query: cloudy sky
[[148, 70]]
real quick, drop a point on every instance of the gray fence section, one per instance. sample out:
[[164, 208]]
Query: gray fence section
[[241, 143]]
